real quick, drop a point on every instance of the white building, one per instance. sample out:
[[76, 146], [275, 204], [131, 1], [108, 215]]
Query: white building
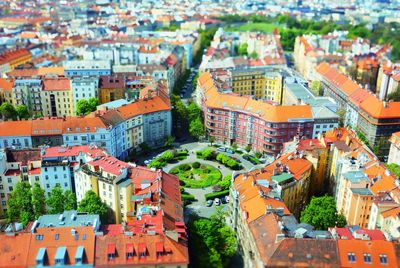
[[60, 163], [84, 88]]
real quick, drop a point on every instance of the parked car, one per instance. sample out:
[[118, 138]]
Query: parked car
[[230, 151], [246, 157], [227, 199], [217, 201], [221, 149], [237, 159], [209, 203]]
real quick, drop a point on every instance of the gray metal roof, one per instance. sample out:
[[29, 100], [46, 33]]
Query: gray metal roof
[[69, 218]]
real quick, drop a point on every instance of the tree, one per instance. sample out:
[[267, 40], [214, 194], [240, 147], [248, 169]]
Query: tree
[[196, 128], [8, 111], [211, 139], [225, 183], [38, 200], [144, 148], [321, 213], [342, 116], [208, 153], [167, 156], [213, 242], [394, 168], [22, 111], [169, 141], [56, 200], [92, 204], [248, 148], [242, 49], [193, 111], [254, 55], [20, 208], [84, 107], [70, 200]]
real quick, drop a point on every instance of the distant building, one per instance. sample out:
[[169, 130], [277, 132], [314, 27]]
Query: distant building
[[87, 68]]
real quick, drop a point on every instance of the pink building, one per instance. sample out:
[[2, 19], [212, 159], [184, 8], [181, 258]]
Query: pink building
[[234, 119]]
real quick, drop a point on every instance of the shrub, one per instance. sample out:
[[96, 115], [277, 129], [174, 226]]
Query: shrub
[[184, 167], [156, 163], [216, 194], [167, 156], [258, 154], [188, 197], [248, 148], [175, 171], [196, 165]]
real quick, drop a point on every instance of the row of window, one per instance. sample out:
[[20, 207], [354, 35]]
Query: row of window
[[367, 258]]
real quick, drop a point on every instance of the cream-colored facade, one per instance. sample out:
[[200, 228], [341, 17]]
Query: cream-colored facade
[[257, 83], [106, 186], [57, 103], [134, 131]]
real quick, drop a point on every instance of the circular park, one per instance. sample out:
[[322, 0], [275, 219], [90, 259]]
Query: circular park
[[197, 175]]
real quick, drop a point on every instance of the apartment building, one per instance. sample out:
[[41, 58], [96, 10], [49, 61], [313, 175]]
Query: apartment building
[[102, 176], [244, 121], [27, 92], [17, 166], [376, 119], [13, 58], [84, 88], [56, 97], [394, 153], [117, 130], [72, 239], [262, 84], [269, 236], [87, 68], [111, 88]]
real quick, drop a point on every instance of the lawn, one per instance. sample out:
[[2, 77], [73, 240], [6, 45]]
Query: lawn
[[261, 27], [197, 176]]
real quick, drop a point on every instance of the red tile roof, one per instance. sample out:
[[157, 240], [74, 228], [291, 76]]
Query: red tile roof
[[65, 239], [62, 151], [11, 55], [375, 248], [14, 250], [6, 85], [56, 84], [109, 164], [157, 250]]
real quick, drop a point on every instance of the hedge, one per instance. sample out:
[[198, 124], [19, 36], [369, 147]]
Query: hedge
[[189, 197], [216, 194]]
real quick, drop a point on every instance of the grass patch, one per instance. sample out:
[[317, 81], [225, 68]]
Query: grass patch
[[257, 26], [203, 176]]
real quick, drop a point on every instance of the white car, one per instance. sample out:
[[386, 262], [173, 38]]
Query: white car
[[217, 202], [227, 199]]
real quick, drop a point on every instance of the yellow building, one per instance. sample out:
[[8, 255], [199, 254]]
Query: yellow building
[[13, 58], [111, 88], [107, 177], [354, 199], [257, 83], [56, 97]]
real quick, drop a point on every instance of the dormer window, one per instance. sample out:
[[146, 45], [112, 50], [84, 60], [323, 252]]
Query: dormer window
[[129, 251], [40, 256], [367, 258], [60, 255], [383, 258], [160, 249], [142, 250], [79, 255], [111, 251], [351, 257]]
